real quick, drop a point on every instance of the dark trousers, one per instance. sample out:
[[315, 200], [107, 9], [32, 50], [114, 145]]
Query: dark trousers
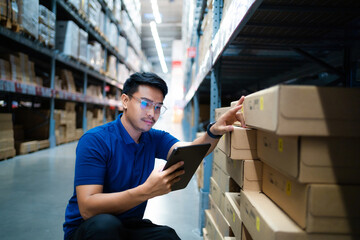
[[109, 227]]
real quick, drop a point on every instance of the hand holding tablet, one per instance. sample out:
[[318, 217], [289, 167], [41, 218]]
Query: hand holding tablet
[[192, 156]]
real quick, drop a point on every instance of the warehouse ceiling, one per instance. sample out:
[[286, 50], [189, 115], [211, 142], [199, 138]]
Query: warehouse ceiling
[[169, 29]]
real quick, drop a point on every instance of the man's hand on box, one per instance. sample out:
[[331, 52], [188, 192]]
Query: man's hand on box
[[225, 123]]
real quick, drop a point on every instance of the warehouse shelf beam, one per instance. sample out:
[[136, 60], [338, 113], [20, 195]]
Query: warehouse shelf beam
[[320, 62], [309, 8]]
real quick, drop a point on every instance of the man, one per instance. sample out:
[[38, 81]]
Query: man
[[114, 169]]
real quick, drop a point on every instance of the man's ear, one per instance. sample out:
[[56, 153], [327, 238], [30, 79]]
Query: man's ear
[[125, 100]]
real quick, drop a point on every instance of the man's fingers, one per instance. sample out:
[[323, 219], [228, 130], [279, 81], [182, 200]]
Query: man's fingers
[[174, 167], [240, 118], [241, 100]]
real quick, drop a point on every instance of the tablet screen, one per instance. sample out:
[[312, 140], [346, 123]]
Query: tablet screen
[[192, 156]]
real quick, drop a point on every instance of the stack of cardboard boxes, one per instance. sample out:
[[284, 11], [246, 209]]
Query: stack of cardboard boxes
[[308, 140], [7, 149], [18, 67], [47, 20], [235, 169], [65, 124]]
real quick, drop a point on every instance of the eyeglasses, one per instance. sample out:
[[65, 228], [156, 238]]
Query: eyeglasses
[[159, 108]]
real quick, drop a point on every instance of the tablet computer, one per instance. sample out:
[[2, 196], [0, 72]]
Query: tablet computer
[[192, 156]]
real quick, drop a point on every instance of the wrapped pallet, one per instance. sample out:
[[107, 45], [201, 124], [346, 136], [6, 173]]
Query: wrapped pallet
[[67, 38], [28, 17]]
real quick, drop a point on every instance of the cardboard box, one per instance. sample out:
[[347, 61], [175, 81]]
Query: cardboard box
[[317, 208], [211, 227], [264, 220], [7, 153], [217, 195], [9, 133], [225, 182], [220, 220], [6, 123], [205, 234], [26, 147], [6, 143], [220, 111], [246, 173], [312, 159], [305, 110], [232, 213], [5, 72], [245, 235], [43, 144], [220, 159], [239, 144]]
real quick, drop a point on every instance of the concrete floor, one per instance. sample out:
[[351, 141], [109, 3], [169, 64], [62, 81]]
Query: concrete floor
[[35, 189]]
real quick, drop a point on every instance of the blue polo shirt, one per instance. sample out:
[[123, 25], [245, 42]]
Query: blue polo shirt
[[108, 156]]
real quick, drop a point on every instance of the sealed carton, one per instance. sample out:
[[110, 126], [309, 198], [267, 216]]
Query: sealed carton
[[220, 111], [225, 182], [232, 213], [213, 231], [312, 159], [317, 208], [305, 110], [239, 144], [217, 195], [266, 221], [246, 173], [222, 224], [219, 159]]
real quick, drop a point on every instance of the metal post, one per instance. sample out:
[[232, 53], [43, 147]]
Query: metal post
[[84, 122], [104, 107], [196, 116], [52, 137], [215, 102]]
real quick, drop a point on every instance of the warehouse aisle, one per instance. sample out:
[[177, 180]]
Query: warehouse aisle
[[35, 189]]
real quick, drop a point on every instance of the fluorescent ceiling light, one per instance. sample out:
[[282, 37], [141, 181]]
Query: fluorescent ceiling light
[[159, 49], [156, 12]]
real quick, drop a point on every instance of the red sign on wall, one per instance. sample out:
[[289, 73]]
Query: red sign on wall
[[191, 52]]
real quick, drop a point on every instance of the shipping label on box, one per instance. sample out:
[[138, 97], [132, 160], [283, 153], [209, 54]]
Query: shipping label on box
[[312, 159], [246, 173], [239, 144], [305, 110], [222, 224], [317, 208], [232, 213]]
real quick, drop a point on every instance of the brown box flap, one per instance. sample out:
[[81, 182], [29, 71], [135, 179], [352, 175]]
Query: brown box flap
[[243, 138]]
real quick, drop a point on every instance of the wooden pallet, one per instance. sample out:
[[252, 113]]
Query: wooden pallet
[[6, 154], [5, 22]]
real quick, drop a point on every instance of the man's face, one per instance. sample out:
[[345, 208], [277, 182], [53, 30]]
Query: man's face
[[140, 116]]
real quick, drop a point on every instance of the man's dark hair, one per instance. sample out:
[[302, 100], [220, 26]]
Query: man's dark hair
[[146, 78]]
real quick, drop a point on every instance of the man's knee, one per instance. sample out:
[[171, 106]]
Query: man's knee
[[168, 233], [105, 226]]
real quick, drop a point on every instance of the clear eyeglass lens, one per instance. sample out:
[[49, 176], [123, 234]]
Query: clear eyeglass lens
[[157, 108]]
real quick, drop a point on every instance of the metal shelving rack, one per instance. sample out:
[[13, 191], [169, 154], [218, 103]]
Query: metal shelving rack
[[268, 42], [55, 56]]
